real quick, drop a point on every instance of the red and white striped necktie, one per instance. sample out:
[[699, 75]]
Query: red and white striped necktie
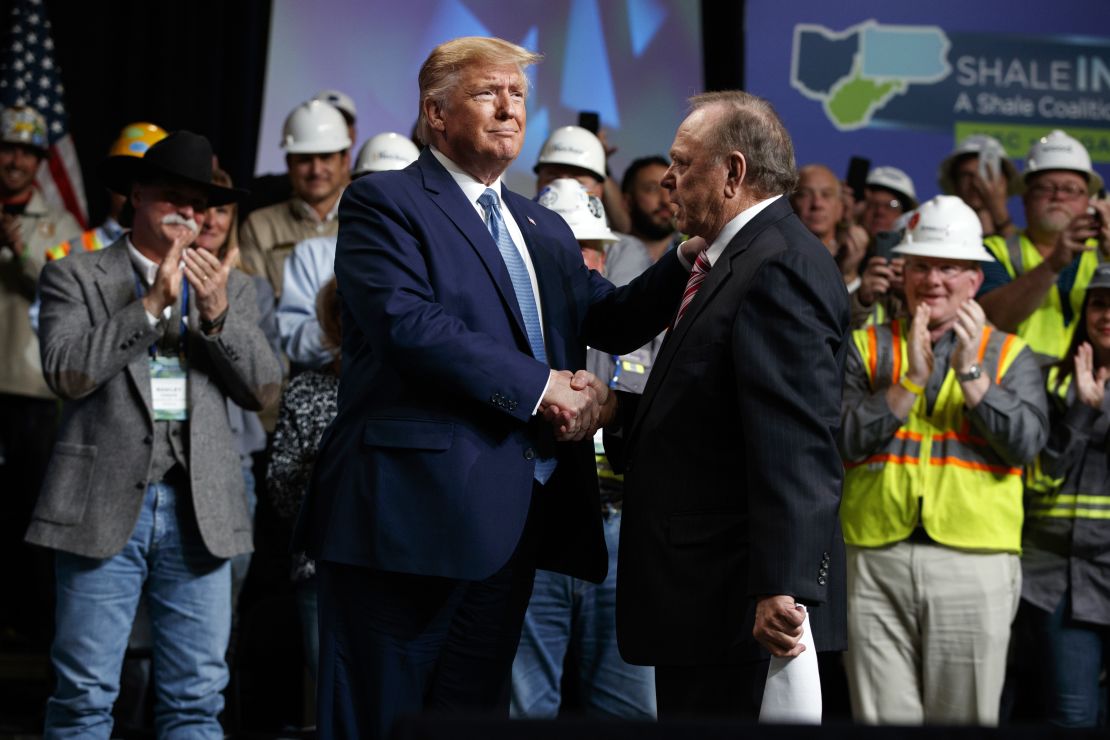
[[697, 277]]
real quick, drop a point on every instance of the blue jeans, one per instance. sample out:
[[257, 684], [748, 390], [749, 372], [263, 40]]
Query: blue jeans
[[1072, 655], [310, 625], [563, 609], [189, 599]]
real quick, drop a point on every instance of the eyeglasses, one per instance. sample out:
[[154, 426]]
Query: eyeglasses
[[947, 270], [883, 205], [1051, 190]]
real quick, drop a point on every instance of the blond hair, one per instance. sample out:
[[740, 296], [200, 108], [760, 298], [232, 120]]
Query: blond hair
[[751, 126], [440, 72]]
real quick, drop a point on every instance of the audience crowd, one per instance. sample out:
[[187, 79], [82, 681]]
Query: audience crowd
[[976, 497]]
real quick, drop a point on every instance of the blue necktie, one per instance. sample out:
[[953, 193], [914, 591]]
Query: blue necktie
[[525, 299]]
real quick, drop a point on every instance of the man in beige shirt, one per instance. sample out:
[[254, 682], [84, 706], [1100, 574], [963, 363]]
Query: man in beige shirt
[[28, 410], [318, 153]]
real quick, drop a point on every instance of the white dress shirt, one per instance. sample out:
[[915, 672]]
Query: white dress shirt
[[732, 228], [473, 189]]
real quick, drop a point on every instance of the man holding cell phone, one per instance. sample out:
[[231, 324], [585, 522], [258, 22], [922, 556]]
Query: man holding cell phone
[[1036, 288]]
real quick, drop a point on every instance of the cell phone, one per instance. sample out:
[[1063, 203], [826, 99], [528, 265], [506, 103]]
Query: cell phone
[[989, 164], [885, 242], [590, 120], [858, 167]]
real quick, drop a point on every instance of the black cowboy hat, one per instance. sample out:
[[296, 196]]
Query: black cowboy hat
[[182, 155]]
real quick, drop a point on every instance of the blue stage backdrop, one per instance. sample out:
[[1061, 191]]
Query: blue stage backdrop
[[633, 61], [900, 83]]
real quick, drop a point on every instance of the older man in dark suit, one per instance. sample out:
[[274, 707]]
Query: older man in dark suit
[[440, 485], [145, 340], [733, 477]]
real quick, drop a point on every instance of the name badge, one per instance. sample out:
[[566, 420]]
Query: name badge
[[168, 389]]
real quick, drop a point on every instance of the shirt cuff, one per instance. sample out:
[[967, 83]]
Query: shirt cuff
[[687, 265], [853, 286], [536, 408]]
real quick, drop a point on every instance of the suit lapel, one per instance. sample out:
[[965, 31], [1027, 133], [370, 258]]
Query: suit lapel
[[718, 276], [449, 198], [115, 281]]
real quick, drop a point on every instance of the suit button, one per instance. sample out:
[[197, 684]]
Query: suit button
[[821, 581], [493, 399], [824, 556], [823, 572], [148, 439], [529, 454], [140, 486]]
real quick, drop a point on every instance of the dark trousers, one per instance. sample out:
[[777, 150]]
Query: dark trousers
[[710, 690], [393, 644], [27, 429]]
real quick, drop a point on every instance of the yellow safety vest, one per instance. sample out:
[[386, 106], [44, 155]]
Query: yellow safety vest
[[1045, 331], [89, 241], [935, 464], [1046, 495]]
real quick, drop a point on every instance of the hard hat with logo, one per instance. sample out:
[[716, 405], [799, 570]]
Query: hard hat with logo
[[947, 228], [135, 138], [576, 147], [583, 212], [388, 151], [339, 100], [22, 124], [1058, 151], [896, 181], [315, 127], [978, 144]]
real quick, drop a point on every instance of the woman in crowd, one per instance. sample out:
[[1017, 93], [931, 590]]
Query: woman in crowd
[[307, 407], [1063, 626]]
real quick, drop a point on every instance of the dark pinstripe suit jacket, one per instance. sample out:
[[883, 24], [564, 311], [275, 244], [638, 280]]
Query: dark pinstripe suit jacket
[[733, 479]]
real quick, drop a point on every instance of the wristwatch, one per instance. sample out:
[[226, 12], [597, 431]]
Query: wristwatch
[[973, 373]]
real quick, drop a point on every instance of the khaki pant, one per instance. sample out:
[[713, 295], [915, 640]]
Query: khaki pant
[[928, 630]]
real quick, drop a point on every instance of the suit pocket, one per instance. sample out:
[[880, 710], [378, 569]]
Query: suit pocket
[[412, 434], [65, 490], [700, 527]]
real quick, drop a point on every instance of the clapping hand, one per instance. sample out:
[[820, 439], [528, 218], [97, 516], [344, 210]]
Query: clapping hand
[[920, 347], [207, 275], [970, 321], [1090, 385]]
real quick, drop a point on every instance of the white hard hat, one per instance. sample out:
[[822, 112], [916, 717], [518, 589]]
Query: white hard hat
[[388, 151], [576, 147], [583, 212], [1058, 151], [895, 180], [315, 127], [947, 228], [339, 100], [977, 144]]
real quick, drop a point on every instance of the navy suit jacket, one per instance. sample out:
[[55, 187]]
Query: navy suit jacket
[[427, 468]]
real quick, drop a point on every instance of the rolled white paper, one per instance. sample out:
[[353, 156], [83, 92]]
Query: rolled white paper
[[792, 694]]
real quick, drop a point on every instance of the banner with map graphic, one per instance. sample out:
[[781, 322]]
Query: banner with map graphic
[[902, 86]]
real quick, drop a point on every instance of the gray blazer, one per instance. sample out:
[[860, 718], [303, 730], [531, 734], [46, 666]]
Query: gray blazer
[[94, 338]]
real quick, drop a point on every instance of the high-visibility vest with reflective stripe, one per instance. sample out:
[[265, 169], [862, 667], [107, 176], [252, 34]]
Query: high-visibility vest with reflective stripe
[[1045, 330], [1047, 497], [90, 241], [967, 495]]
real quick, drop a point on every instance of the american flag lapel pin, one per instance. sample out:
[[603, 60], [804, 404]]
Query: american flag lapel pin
[[531, 221]]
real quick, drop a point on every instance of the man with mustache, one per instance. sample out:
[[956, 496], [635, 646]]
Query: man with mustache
[[1036, 288], [145, 341], [28, 410]]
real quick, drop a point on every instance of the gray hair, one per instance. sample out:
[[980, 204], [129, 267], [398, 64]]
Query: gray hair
[[751, 126]]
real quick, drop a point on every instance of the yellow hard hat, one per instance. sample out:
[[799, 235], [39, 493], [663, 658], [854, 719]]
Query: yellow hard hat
[[136, 138]]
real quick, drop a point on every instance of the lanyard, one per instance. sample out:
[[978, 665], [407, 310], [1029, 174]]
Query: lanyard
[[184, 345]]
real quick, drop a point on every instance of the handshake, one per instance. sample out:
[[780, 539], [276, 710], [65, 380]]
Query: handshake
[[577, 404]]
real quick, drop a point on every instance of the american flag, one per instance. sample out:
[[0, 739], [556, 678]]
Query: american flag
[[29, 76]]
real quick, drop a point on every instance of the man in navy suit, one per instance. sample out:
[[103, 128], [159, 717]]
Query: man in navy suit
[[460, 457]]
